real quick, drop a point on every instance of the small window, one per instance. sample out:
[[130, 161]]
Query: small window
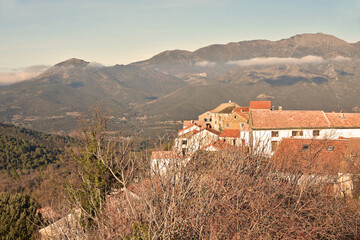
[[184, 141], [242, 125], [297, 133], [210, 120], [274, 145], [208, 114], [330, 148], [234, 117], [274, 133], [227, 125], [316, 133], [305, 147], [205, 119], [234, 142]]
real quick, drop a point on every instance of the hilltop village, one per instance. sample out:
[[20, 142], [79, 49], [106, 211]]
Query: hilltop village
[[310, 142]]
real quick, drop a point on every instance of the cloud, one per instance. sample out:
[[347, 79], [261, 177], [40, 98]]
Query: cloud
[[10, 76], [278, 61], [205, 64], [340, 59], [95, 65]]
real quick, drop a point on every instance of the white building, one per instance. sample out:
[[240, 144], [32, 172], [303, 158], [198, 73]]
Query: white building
[[267, 128]]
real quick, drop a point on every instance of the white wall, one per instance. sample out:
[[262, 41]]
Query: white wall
[[262, 138]]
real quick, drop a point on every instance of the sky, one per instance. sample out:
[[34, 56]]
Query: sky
[[45, 32]]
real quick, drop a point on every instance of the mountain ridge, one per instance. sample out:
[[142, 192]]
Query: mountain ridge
[[305, 71]]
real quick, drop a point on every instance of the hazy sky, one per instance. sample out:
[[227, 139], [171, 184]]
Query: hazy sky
[[45, 32]]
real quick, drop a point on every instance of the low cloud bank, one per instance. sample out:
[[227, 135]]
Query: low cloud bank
[[10, 76], [205, 64], [276, 61]]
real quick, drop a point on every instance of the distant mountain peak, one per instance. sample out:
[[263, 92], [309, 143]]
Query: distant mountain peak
[[74, 62], [318, 37]]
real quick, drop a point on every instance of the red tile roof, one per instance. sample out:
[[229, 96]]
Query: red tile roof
[[260, 104], [164, 155], [265, 119], [189, 126], [242, 114], [313, 156], [344, 120], [353, 148], [207, 129], [230, 133], [220, 146], [187, 123], [242, 109]]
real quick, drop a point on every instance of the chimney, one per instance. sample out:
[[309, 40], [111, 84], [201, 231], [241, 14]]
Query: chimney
[[280, 108], [342, 115]]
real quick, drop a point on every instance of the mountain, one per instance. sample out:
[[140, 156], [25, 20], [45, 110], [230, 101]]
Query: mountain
[[50, 101], [306, 71]]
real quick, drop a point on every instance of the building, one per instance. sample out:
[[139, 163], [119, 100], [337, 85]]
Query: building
[[333, 161], [267, 128]]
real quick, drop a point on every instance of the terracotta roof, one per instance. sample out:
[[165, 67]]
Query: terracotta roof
[[244, 115], [242, 109], [344, 120], [230, 133], [220, 145], [311, 156], [164, 155], [260, 104], [207, 129], [265, 119], [353, 148], [189, 122], [189, 126]]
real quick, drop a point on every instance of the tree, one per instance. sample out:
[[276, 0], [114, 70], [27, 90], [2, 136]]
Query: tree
[[18, 216]]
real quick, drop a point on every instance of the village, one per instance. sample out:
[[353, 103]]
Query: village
[[313, 143]]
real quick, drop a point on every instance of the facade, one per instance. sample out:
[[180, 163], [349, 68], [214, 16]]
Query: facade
[[267, 128]]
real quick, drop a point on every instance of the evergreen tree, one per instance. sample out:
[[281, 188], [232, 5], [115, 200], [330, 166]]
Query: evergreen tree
[[18, 217]]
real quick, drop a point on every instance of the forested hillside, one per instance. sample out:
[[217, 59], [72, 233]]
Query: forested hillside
[[32, 162]]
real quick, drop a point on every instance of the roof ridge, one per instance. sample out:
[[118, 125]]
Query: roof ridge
[[326, 118]]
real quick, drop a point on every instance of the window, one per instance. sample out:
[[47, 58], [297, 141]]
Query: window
[[210, 120], [330, 148], [184, 141], [205, 119], [227, 125], [274, 145], [234, 142], [297, 133], [274, 133], [316, 133], [234, 117], [242, 125], [305, 147]]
